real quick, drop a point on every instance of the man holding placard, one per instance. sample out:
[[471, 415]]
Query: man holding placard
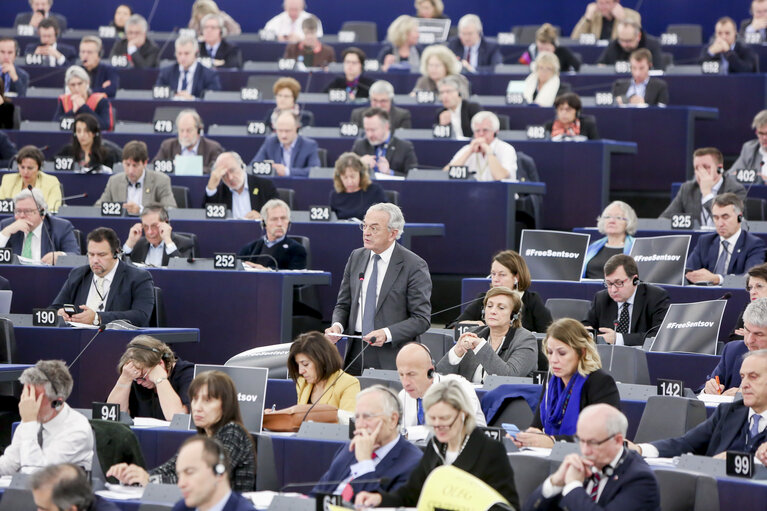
[[628, 309], [730, 250]]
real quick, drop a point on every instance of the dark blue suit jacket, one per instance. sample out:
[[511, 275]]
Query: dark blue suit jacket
[[69, 52], [20, 85], [748, 251], [489, 54], [289, 254], [728, 368], [105, 73], [236, 502], [633, 487], [131, 294], [202, 80], [7, 148], [395, 467], [303, 157], [725, 430], [61, 230]]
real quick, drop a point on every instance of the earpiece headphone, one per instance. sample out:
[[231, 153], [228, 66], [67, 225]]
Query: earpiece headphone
[[608, 471], [636, 281], [395, 398], [514, 317], [163, 356], [430, 372], [220, 468], [720, 169], [58, 402], [740, 217]]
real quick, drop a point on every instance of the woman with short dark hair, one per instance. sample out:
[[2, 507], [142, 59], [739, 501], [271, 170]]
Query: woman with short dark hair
[[569, 121]]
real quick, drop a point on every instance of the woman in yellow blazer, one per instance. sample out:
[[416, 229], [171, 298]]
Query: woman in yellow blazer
[[316, 366], [30, 161]]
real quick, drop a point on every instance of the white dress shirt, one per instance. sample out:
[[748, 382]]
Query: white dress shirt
[[240, 200], [135, 193], [366, 466], [36, 242], [94, 301], [478, 163], [282, 26], [549, 490], [705, 216], [630, 301], [67, 438], [731, 241], [455, 122], [410, 405]]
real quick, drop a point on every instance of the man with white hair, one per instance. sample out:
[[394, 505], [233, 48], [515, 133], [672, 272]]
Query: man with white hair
[[140, 51], [190, 141], [381, 96], [188, 79], [487, 156], [214, 43], [456, 110], [287, 25], [753, 154], [243, 193], [50, 431], [385, 295], [471, 46], [274, 250]]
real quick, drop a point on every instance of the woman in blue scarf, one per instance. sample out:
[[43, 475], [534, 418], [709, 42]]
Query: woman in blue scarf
[[575, 381], [618, 222]]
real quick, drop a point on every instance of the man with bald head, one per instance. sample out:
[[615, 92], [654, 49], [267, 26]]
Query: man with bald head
[[291, 154], [190, 141], [415, 367], [606, 475], [65, 487], [287, 26]]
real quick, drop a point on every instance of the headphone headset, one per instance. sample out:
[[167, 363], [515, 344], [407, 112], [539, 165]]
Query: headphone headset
[[636, 281], [430, 372], [395, 398], [58, 402], [608, 470], [220, 467], [164, 356], [739, 217], [720, 170]]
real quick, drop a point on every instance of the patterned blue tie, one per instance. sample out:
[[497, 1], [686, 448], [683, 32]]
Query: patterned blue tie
[[184, 81], [369, 310], [420, 411], [7, 82], [721, 263], [753, 431]]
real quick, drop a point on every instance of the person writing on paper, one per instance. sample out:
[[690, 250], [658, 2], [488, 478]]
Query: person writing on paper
[[153, 242], [316, 367], [509, 269], [216, 414], [380, 150], [153, 382], [190, 141], [417, 374], [730, 250], [456, 442], [756, 287], [243, 193], [725, 379], [501, 348], [353, 192], [88, 149], [737, 426], [618, 222], [24, 232], [50, 431], [377, 450], [29, 161], [488, 157], [605, 475], [575, 380], [274, 247]]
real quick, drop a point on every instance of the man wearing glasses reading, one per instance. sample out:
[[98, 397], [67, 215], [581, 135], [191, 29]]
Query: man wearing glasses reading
[[628, 309]]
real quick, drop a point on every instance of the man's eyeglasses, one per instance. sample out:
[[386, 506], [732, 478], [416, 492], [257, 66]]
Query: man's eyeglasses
[[592, 443], [365, 416], [374, 229], [617, 283]]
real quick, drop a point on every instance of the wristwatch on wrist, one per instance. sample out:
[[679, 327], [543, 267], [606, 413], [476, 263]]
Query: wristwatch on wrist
[[96, 320]]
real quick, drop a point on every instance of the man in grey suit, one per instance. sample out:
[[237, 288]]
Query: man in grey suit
[[754, 152], [190, 141], [384, 296], [382, 96], [138, 187], [696, 196]]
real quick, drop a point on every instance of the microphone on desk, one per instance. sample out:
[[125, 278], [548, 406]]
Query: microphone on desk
[[43, 213], [256, 256], [190, 259], [62, 200], [456, 306], [384, 481], [102, 327]]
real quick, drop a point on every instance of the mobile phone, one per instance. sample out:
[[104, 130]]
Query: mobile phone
[[511, 429], [72, 309]]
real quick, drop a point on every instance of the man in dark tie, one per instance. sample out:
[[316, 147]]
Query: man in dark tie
[[380, 150], [188, 79], [153, 242], [628, 309], [378, 455], [385, 294], [214, 45], [728, 251], [736, 426], [605, 476], [14, 79]]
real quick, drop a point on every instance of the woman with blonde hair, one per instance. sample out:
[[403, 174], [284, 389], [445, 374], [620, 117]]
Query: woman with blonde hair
[[430, 9], [575, 381], [400, 49], [201, 8], [618, 222], [354, 191], [542, 86], [437, 62]]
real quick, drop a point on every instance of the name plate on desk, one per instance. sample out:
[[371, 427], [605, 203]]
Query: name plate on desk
[[161, 92], [536, 132], [262, 168], [6, 207], [250, 94], [604, 98], [111, 209], [539, 377], [710, 67], [496, 434], [753, 38], [515, 98], [458, 172], [622, 67], [507, 38], [587, 39], [347, 36], [6, 255], [337, 96], [119, 61], [164, 166], [319, 213], [441, 131], [349, 129], [746, 176], [66, 123], [107, 32], [740, 464], [286, 64], [106, 411], [669, 39], [215, 210], [25, 30], [424, 96], [63, 163], [681, 222], [44, 317], [224, 261], [163, 126], [670, 387], [256, 128]]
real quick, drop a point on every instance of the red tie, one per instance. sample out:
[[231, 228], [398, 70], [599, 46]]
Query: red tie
[[595, 488], [348, 492]]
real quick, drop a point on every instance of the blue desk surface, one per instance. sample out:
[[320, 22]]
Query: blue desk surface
[[11, 372]]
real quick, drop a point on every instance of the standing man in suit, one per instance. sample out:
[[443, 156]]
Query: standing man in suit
[[215, 46], [106, 289], [628, 309], [274, 246], [245, 194], [729, 251], [380, 150], [292, 154], [137, 186], [57, 486], [158, 243], [736, 426], [14, 79], [382, 96], [58, 54], [696, 196], [733, 56], [140, 51], [471, 47], [725, 379], [606, 475], [641, 88], [385, 293], [190, 141], [377, 450], [104, 78], [456, 111], [41, 10], [188, 79], [24, 232], [753, 154]]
